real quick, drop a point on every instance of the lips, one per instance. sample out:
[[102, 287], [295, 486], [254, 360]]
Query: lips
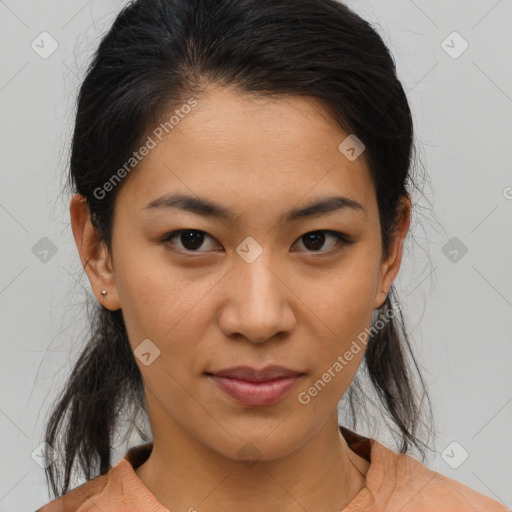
[[253, 375], [251, 387]]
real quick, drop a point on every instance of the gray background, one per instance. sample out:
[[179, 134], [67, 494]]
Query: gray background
[[458, 304]]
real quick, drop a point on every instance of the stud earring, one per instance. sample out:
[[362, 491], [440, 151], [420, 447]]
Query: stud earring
[[104, 293]]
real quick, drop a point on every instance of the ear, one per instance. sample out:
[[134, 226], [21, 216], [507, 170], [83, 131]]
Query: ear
[[390, 266], [94, 254]]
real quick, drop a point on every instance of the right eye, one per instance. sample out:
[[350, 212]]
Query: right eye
[[189, 239]]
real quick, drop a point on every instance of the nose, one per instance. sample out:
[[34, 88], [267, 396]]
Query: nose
[[258, 302]]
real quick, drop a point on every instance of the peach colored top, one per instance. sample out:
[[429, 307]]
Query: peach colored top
[[394, 482]]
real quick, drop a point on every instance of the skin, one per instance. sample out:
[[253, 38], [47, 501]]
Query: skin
[[210, 309]]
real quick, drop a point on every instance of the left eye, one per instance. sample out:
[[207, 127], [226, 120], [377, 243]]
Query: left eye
[[315, 240], [192, 239]]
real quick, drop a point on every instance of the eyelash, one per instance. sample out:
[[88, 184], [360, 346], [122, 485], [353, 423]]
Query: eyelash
[[342, 239]]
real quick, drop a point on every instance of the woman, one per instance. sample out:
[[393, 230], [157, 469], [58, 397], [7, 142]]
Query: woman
[[240, 170]]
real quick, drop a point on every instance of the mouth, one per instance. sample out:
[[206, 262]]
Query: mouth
[[251, 387]]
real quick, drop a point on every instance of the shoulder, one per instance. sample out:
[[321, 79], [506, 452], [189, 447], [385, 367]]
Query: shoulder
[[400, 482], [117, 489], [73, 500]]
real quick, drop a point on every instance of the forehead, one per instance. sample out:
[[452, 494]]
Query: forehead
[[241, 148], [255, 122]]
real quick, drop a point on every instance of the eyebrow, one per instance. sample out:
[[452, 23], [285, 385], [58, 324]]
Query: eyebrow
[[206, 208]]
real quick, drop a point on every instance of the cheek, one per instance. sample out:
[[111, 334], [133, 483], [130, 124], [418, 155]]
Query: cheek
[[341, 316], [167, 306], [345, 296]]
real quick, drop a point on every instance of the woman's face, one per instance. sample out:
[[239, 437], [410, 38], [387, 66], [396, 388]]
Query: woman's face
[[248, 288]]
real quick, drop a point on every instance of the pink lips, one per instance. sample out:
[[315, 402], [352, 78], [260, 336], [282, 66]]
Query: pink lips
[[256, 387]]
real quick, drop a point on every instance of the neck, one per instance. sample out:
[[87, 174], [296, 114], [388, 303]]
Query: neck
[[183, 474]]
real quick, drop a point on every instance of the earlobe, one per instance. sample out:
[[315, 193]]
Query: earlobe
[[94, 254]]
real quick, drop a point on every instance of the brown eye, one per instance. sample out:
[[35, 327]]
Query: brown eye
[[187, 240], [314, 241]]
